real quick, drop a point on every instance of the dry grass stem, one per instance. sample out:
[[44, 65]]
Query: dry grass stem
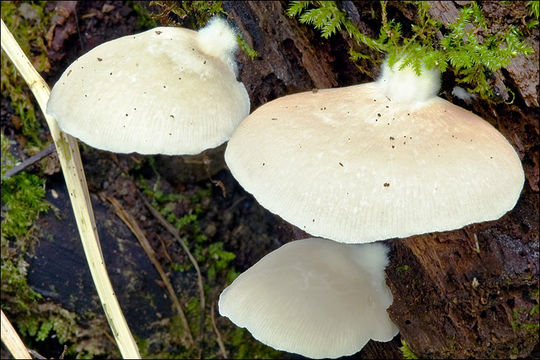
[[174, 232], [219, 340], [132, 224], [11, 339]]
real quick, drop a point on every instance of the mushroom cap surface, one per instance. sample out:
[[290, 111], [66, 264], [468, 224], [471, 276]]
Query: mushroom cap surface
[[351, 165], [314, 297], [159, 91]]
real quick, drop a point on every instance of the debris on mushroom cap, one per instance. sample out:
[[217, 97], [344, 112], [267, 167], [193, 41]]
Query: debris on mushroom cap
[[159, 91], [354, 165], [314, 297]]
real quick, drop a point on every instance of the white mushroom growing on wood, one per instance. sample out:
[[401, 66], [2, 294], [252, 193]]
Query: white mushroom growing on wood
[[166, 91], [314, 297], [375, 161]]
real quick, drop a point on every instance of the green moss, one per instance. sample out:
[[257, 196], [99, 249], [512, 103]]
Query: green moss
[[532, 328], [23, 194], [22, 203], [218, 271], [244, 46], [8, 159], [536, 308], [189, 14], [402, 269], [29, 24], [515, 319], [472, 53], [23, 200], [518, 324], [213, 258], [406, 351], [534, 8], [245, 347], [144, 17], [52, 320]]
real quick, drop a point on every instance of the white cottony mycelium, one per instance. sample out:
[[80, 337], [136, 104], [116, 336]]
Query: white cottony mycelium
[[218, 38], [164, 91], [463, 94], [375, 161], [405, 86], [314, 297]]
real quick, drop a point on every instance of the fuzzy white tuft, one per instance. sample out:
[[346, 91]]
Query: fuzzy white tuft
[[405, 86], [373, 257], [463, 94], [218, 38]]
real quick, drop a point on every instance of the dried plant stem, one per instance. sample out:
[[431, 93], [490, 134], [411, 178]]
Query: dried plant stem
[[219, 340], [70, 161], [30, 161], [174, 232], [11, 339], [128, 219]]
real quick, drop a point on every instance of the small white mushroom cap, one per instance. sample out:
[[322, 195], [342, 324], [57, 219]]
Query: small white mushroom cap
[[164, 91], [356, 165], [314, 297]]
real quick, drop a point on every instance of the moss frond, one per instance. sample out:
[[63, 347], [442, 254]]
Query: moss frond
[[465, 46], [406, 351]]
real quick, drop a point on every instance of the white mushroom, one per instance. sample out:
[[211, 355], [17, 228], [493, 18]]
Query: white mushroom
[[314, 297], [167, 90], [375, 161]]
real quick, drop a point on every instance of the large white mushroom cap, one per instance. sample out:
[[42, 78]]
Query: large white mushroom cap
[[167, 90], [366, 163], [314, 297]]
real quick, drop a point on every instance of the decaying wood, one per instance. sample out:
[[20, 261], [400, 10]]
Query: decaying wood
[[469, 293], [288, 61]]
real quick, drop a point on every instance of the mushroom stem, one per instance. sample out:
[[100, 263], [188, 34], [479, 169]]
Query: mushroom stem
[[70, 161]]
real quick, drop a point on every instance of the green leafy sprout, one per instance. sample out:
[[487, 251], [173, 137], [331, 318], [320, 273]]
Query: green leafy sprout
[[465, 46], [534, 11]]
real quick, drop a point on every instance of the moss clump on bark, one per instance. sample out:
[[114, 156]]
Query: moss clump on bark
[[466, 46]]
